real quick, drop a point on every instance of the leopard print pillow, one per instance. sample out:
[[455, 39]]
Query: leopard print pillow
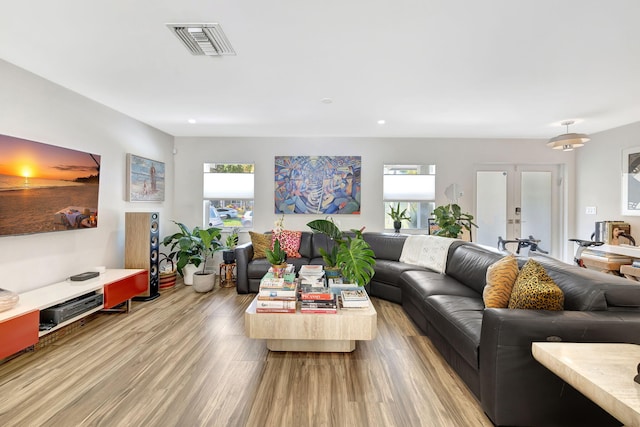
[[535, 290], [501, 275], [289, 242]]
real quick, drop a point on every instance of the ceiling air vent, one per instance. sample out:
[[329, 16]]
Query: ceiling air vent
[[203, 39]]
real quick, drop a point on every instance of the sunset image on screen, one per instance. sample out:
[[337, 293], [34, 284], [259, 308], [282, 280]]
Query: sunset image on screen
[[46, 188]]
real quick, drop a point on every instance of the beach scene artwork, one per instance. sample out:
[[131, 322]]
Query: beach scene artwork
[[145, 179], [46, 188]]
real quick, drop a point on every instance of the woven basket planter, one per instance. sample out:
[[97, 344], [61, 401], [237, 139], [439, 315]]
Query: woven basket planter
[[167, 280]]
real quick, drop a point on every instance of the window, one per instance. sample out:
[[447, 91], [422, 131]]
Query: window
[[414, 188], [228, 195]]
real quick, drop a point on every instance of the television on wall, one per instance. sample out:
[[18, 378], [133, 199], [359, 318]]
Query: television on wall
[[46, 188]]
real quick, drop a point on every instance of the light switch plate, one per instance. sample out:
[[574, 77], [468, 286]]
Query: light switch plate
[[590, 210]]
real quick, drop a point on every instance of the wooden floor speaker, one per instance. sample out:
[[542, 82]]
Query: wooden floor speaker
[[141, 248]]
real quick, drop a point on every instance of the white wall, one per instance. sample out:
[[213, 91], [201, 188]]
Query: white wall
[[599, 174], [454, 159], [36, 109]]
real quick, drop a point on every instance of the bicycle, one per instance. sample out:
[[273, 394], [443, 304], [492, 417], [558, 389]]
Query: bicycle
[[531, 243], [582, 245]]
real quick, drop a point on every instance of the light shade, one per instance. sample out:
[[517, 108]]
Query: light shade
[[228, 186], [409, 187], [568, 141]]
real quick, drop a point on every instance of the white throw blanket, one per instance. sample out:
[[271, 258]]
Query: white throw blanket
[[426, 251]]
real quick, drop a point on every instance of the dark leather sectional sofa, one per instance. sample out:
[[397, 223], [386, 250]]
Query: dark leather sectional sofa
[[491, 348]]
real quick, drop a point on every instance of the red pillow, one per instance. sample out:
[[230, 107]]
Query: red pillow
[[289, 242]]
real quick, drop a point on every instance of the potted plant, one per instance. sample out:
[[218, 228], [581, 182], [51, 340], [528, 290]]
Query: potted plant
[[352, 254], [277, 257], [397, 216], [194, 247], [229, 253], [450, 220]]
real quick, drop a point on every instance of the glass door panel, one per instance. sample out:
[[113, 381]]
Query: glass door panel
[[491, 206], [518, 201]]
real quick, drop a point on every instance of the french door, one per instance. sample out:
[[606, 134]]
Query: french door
[[518, 201]]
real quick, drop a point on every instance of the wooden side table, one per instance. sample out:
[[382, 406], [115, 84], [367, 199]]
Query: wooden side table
[[227, 275], [630, 272], [603, 264]]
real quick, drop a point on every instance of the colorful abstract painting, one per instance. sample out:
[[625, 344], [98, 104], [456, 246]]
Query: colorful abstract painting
[[317, 184]]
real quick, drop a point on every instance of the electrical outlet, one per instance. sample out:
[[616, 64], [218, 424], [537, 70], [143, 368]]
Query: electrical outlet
[[590, 210]]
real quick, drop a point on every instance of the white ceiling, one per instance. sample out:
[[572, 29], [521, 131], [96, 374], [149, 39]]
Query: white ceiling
[[430, 68]]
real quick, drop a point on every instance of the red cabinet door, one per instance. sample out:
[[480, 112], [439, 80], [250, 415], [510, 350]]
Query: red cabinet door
[[124, 289], [19, 333]]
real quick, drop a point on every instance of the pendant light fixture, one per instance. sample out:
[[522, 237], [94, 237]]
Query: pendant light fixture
[[568, 141]]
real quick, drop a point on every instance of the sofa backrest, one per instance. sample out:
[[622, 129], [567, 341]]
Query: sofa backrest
[[320, 241], [589, 290], [468, 263], [386, 245]]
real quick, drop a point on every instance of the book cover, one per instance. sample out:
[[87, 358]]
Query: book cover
[[319, 304], [354, 295], [315, 296], [319, 310], [312, 268], [354, 304], [280, 298], [275, 310], [277, 293], [276, 304]]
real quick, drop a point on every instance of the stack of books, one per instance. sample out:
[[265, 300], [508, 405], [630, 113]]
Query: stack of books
[[317, 300], [290, 269], [277, 295], [311, 275], [354, 298]]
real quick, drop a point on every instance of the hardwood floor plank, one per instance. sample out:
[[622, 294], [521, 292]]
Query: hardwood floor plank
[[183, 360]]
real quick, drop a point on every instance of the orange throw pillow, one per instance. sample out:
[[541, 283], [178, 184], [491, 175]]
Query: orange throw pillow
[[501, 276]]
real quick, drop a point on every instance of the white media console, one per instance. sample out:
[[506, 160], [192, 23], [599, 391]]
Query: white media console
[[19, 327]]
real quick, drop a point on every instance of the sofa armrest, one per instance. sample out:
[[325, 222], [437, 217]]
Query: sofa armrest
[[244, 254], [516, 389]]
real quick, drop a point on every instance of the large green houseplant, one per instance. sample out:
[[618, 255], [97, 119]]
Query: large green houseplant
[[450, 220], [353, 255], [194, 247]]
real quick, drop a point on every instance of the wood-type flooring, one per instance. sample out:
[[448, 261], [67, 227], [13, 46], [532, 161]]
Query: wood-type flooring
[[183, 360]]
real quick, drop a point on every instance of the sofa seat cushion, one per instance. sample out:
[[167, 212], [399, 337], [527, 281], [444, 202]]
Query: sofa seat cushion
[[389, 272], [459, 320], [424, 283]]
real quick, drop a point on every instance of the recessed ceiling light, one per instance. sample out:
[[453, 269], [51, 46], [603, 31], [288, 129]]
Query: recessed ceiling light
[[192, 121], [326, 100], [381, 122]]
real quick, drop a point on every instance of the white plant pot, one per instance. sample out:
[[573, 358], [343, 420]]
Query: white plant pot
[[188, 271], [203, 282]]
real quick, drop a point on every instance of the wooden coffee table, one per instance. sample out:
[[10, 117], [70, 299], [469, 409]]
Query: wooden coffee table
[[311, 332], [603, 372]]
